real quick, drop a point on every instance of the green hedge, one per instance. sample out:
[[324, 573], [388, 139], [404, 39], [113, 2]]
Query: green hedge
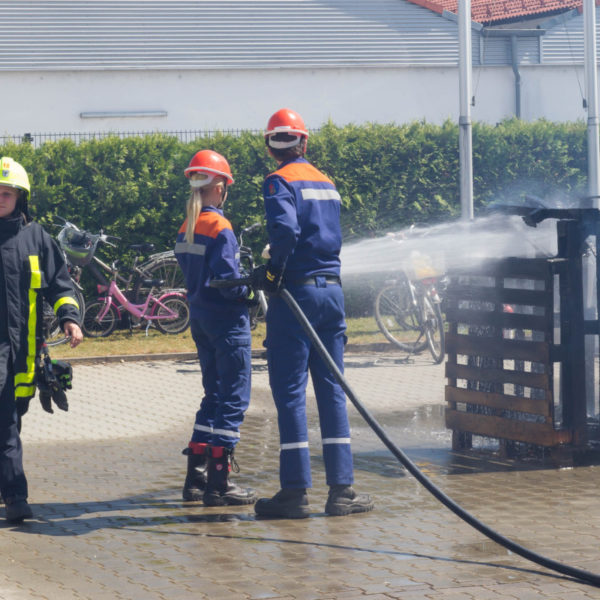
[[389, 176]]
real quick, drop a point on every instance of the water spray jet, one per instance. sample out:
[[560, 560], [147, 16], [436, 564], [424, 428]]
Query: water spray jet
[[451, 246]]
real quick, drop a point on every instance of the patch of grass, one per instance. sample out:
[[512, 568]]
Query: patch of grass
[[122, 342]]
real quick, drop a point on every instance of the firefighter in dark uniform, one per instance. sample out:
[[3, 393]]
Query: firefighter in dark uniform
[[206, 249], [31, 268], [302, 209]]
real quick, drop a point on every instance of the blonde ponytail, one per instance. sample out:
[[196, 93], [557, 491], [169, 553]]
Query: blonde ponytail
[[193, 209], [197, 200]]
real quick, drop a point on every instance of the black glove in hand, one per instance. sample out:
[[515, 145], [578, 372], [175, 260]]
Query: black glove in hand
[[64, 373], [46, 401], [57, 396], [267, 278], [51, 386], [251, 299]]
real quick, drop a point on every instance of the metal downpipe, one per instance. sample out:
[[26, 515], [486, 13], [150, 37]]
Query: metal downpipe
[[515, 67]]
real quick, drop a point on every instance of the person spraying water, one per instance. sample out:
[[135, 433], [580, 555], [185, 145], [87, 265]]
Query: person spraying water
[[303, 222]]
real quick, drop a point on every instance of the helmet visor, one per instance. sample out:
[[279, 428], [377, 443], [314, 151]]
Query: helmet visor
[[199, 179], [280, 141]]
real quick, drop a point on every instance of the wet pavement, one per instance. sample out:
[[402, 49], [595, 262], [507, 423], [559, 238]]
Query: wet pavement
[[105, 485]]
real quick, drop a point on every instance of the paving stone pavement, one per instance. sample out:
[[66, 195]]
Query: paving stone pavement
[[105, 485]]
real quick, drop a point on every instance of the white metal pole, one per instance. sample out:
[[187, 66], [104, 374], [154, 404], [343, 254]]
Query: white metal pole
[[591, 79], [590, 270], [465, 140]]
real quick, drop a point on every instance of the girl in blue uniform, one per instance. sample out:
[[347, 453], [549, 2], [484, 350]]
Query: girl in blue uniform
[[206, 249]]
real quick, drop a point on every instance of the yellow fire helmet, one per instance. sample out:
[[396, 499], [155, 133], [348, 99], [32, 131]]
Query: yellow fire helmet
[[14, 175]]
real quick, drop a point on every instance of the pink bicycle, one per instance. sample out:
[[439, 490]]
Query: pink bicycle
[[168, 312]]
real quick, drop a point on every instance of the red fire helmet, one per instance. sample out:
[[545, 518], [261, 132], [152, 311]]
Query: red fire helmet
[[286, 120], [211, 164]]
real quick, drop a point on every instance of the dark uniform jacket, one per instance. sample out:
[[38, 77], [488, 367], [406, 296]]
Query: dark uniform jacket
[[32, 268]]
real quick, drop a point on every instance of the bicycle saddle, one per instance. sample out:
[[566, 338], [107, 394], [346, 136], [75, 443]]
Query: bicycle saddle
[[153, 282]]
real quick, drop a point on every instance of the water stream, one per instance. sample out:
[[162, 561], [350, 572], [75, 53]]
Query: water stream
[[455, 245]]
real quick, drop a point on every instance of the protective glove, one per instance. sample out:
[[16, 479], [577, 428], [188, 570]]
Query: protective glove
[[52, 384], [57, 396], [251, 299], [63, 371], [267, 278]]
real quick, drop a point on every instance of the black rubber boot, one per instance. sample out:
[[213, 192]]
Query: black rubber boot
[[220, 491], [343, 500], [17, 510], [287, 503], [195, 479]]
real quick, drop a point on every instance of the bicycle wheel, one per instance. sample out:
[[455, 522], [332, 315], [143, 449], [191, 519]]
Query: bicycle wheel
[[93, 326], [177, 304], [52, 332], [50, 326], [166, 269], [258, 312], [434, 329], [398, 319]]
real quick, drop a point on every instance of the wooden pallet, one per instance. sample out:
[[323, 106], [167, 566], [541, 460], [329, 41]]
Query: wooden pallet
[[501, 353]]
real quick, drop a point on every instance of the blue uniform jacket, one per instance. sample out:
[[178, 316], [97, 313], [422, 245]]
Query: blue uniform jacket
[[303, 220], [214, 254]]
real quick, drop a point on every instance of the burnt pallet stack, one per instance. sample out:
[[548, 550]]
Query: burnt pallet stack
[[502, 353]]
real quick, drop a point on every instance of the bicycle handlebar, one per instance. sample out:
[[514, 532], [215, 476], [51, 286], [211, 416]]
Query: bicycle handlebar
[[82, 235], [251, 228]]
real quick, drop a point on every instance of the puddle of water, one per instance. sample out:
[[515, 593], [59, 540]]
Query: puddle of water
[[483, 549]]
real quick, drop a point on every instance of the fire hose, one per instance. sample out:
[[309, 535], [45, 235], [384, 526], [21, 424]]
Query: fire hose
[[576, 573]]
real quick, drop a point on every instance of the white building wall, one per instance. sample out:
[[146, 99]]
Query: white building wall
[[52, 102], [554, 92]]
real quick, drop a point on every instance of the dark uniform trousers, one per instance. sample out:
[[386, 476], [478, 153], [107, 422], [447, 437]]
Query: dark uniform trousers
[[13, 483]]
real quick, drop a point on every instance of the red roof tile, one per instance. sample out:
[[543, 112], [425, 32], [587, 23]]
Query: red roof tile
[[488, 11]]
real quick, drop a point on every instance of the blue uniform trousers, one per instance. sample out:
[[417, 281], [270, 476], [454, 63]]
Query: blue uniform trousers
[[290, 356], [13, 483], [224, 351]]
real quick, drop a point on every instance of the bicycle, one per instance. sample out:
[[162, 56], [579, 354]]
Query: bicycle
[[258, 311], [168, 312], [162, 266], [411, 306]]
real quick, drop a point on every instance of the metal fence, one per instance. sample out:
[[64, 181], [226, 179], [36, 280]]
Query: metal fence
[[37, 139]]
